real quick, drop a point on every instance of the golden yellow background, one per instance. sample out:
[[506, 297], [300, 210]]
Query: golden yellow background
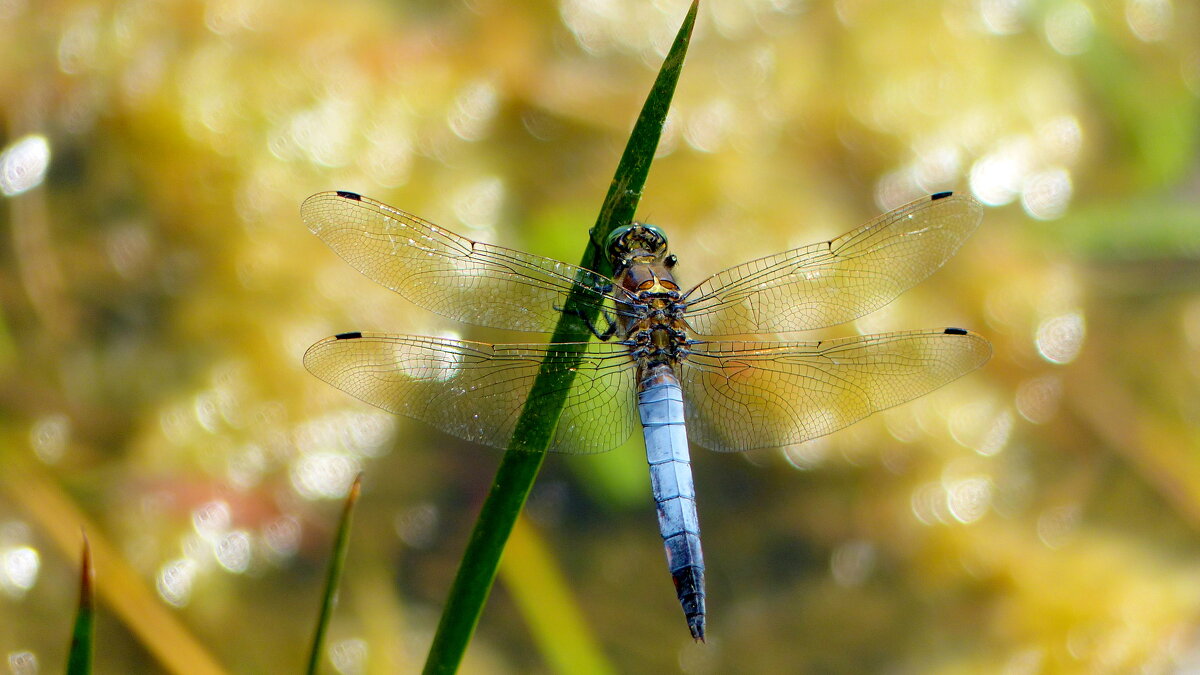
[[1041, 515]]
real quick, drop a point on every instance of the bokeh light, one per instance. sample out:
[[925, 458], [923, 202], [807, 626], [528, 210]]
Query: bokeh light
[[23, 164], [175, 581], [1056, 525], [324, 475], [282, 537], [18, 570], [1038, 398], [349, 656], [1060, 338], [969, 499], [852, 563], [1046, 194], [1068, 27], [1150, 20], [417, 526], [22, 663], [233, 551]]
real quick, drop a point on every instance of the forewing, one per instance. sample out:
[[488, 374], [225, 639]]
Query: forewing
[[476, 391], [443, 272], [835, 281], [746, 395]]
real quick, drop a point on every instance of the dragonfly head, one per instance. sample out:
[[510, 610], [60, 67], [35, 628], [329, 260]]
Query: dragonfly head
[[636, 242]]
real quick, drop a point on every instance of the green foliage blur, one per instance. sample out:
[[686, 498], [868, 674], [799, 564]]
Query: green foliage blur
[[157, 290]]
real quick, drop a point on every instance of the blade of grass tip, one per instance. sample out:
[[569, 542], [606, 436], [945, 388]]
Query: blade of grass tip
[[124, 592], [336, 563], [534, 429], [79, 660]]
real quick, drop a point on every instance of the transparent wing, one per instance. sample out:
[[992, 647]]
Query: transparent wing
[[454, 276], [746, 395], [476, 391], [835, 281]]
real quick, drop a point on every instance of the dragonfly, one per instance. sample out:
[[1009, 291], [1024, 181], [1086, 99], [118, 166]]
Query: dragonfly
[[652, 363]]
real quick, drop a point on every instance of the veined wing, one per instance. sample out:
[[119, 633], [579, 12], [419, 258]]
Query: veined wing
[[746, 395], [476, 391], [835, 281], [443, 272]]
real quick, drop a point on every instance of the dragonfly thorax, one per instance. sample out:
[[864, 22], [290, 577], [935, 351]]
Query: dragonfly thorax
[[653, 299], [658, 352]]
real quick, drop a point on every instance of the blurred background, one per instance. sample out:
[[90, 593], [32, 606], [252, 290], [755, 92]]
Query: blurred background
[[1041, 515]]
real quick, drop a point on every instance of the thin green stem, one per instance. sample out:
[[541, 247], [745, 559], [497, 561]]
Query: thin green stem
[[83, 635], [333, 577]]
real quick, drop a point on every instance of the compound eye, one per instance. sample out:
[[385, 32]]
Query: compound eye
[[617, 246]]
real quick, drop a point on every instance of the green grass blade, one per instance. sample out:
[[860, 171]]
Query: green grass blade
[[336, 564], [83, 635], [534, 429]]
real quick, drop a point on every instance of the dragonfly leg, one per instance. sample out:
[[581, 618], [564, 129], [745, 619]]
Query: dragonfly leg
[[612, 326]]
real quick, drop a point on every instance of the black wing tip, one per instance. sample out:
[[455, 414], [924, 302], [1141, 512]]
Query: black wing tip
[[349, 195], [348, 336], [939, 195], [957, 331]]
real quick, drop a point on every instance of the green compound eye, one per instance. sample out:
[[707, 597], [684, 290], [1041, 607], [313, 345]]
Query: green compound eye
[[625, 240], [616, 235], [655, 233]]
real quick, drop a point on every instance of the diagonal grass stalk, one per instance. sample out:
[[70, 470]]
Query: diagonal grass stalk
[[336, 563]]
